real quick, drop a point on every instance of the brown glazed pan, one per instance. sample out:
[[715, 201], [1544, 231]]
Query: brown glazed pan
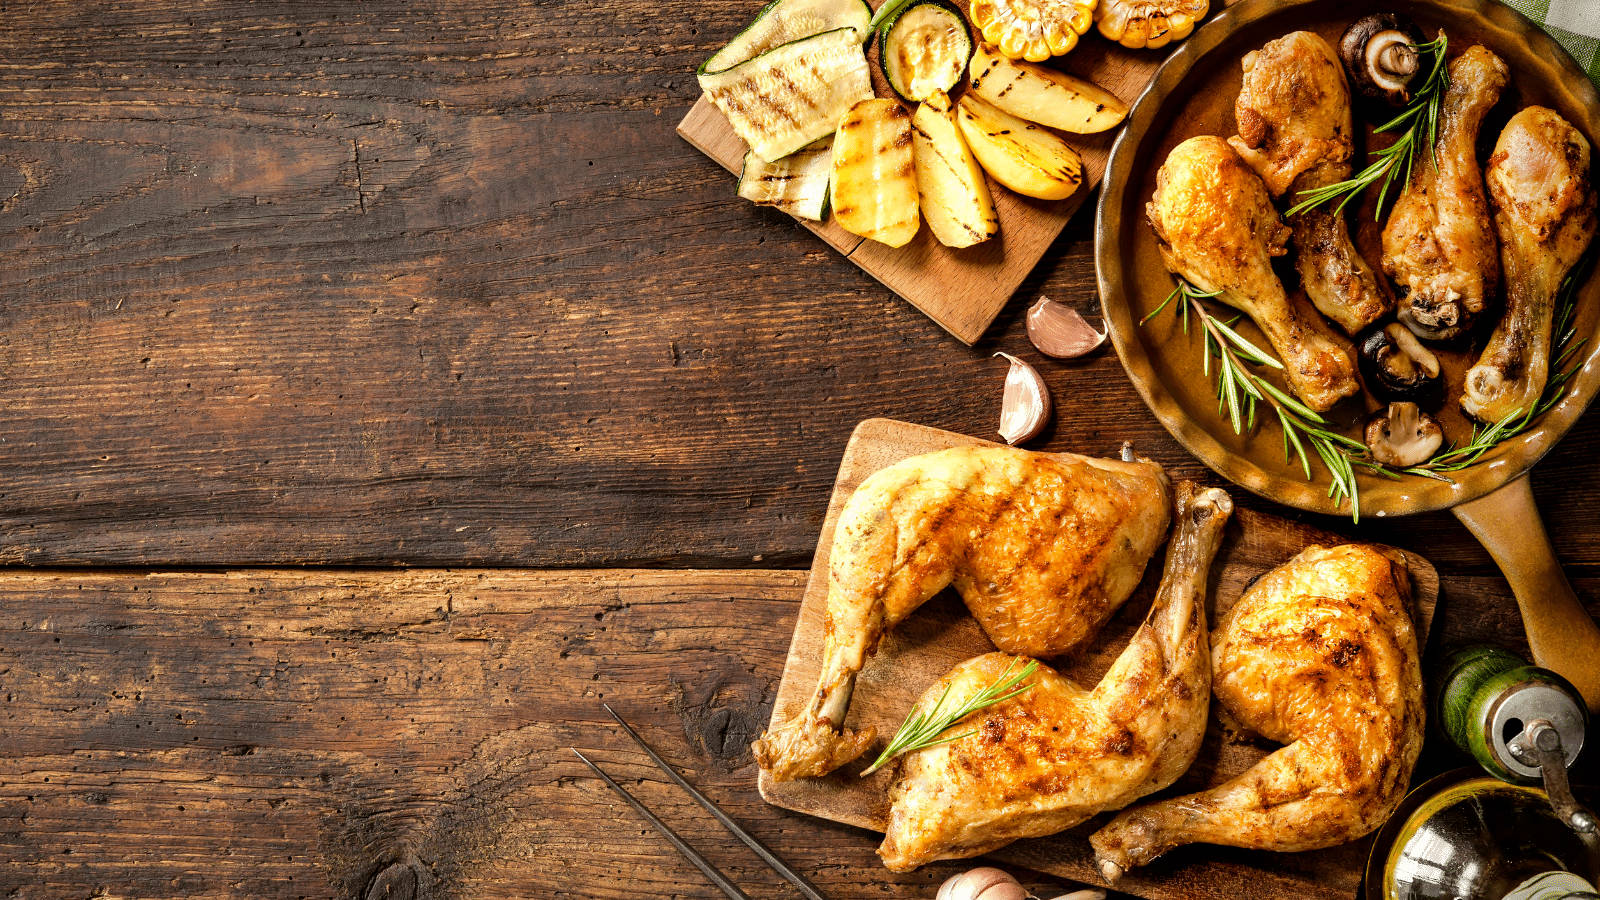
[[1194, 93]]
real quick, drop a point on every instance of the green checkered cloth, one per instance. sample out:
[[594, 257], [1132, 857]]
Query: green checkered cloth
[[1575, 24]]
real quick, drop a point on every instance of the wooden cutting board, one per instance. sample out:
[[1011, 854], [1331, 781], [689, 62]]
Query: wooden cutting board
[[963, 290], [941, 634]]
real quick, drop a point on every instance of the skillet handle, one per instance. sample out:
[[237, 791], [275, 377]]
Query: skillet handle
[[1560, 632]]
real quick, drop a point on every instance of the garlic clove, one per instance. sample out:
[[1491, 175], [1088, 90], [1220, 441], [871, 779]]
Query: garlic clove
[[1057, 330], [1025, 406], [1005, 890], [1090, 894], [974, 882]]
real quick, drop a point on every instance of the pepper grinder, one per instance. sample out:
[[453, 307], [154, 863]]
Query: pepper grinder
[[1523, 724]]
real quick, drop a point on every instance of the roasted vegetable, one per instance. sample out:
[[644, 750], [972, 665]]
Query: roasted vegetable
[[1379, 53], [1396, 366], [924, 48], [782, 21], [796, 184], [1043, 95], [791, 95], [1032, 29], [1149, 23], [1403, 435], [1025, 157], [874, 185], [950, 184]]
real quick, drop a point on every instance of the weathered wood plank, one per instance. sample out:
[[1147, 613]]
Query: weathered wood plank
[[437, 283], [283, 733]]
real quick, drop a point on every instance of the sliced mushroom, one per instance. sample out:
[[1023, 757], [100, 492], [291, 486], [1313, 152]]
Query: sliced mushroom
[[1397, 366], [1379, 54], [1403, 435]]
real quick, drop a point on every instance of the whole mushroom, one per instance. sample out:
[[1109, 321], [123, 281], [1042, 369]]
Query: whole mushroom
[[1379, 53], [1403, 435], [1396, 366]]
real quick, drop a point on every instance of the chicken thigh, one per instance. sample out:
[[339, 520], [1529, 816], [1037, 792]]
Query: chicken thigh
[[1438, 245], [1043, 547], [1293, 115], [1217, 228], [1058, 754], [1544, 214], [1320, 655]]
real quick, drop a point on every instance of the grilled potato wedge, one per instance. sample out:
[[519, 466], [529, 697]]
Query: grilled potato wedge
[[1043, 95], [874, 192], [1023, 156], [950, 184]]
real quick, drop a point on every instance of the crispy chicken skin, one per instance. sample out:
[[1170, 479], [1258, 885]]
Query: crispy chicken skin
[[1319, 655], [1293, 115], [1438, 245], [1217, 228], [1058, 754], [1544, 213], [1043, 547]]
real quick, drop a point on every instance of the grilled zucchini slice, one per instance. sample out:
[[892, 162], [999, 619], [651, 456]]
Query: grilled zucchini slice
[[1027, 158], [874, 187], [951, 188], [1041, 94], [782, 21], [924, 48], [792, 94], [796, 184]]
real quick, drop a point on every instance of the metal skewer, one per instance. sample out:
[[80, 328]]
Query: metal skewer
[[700, 862], [805, 887]]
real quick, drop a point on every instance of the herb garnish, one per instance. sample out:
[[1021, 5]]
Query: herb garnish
[[922, 728], [1239, 390], [1420, 120]]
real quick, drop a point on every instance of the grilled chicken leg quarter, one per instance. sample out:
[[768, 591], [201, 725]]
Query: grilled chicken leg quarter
[[1438, 245], [1043, 547], [1544, 214], [1217, 228], [1319, 654], [1293, 115], [1058, 754]]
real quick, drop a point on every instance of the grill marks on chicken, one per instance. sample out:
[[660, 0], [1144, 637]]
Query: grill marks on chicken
[[1043, 548], [1438, 245], [1293, 115], [1320, 654], [1059, 754], [1544, 215], [1217, 228]]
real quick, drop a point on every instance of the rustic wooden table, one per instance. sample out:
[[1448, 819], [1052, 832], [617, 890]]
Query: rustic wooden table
[[385, 385]]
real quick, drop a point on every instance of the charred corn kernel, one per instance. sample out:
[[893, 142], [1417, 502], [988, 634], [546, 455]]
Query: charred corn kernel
[[1149, 23], [1034, 30]]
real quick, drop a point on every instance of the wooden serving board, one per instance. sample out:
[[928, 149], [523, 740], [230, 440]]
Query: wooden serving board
[[941, 634], [963, 290]]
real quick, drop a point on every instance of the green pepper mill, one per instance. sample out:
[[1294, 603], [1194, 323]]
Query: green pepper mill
[[1522, 724]]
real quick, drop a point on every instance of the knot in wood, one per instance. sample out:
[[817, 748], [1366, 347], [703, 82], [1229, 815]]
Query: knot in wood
[[396, 881]]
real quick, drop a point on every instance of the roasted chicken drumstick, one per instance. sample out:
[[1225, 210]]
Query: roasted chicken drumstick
[[1058, 754], [1438, 245], [1293, 115], [1544, 214], [1320, 655], [1043, 547], [1217, 228]]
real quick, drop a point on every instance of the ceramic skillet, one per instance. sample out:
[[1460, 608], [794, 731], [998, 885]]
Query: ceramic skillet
[[1193, 93]]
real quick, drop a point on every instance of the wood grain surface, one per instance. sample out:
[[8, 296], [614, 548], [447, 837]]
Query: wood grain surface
[[271, 733], [942, 634], [529, 328], [435, 283]]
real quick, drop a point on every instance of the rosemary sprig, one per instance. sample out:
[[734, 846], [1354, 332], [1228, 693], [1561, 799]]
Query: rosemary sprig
[[922, 728], [1240, 390], [1419, 122]]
